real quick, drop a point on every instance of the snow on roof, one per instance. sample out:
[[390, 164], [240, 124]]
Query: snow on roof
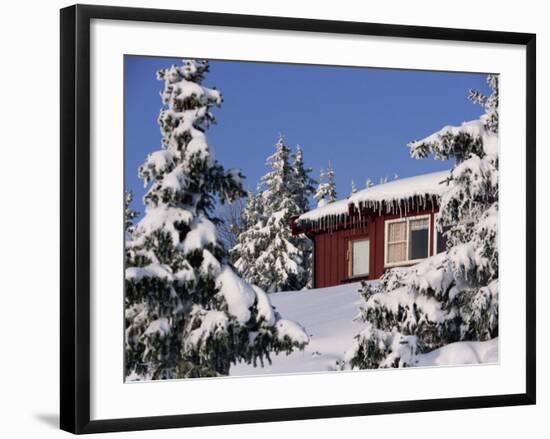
[[389, 193]]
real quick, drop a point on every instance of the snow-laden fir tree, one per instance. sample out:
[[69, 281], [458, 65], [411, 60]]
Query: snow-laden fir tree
[[452, 296], [280, 260], [187, 314], [369, 183], [353, 187], [326, 190], [281, 263]]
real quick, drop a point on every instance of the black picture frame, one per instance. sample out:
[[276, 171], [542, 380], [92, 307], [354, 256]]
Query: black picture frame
[[75, 217]]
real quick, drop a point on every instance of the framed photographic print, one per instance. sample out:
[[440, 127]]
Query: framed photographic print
[[268, 218]]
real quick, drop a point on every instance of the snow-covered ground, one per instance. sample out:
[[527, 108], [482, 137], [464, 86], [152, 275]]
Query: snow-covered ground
[[327, 315]]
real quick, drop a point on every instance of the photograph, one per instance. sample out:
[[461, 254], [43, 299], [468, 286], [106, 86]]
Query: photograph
[[295, 218]]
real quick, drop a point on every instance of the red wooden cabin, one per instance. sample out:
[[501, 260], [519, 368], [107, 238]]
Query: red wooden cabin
[[384, 226]]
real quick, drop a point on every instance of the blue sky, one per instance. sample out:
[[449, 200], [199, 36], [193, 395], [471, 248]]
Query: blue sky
[[359, 119]]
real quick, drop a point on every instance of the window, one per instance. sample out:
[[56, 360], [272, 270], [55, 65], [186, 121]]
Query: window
[[407, 240], [360, 257], [419, 238]]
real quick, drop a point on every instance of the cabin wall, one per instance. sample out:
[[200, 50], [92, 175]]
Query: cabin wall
[[331, 249]]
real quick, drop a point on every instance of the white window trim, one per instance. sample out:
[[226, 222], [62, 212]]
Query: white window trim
[[350, 269], [407, 220]]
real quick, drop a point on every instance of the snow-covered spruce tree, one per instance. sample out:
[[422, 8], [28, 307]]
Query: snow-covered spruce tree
[[369, 183], [452, 296], [187, 313], [353, 187], [326, 191], [280, 262], [267, 254]]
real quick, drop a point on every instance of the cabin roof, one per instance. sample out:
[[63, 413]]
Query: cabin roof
[[393, 191]]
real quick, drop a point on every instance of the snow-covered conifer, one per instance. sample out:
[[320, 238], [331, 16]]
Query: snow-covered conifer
[[187, 313], [452, 296], [267, 253], [326, 191], [280, 263], [353, 187]]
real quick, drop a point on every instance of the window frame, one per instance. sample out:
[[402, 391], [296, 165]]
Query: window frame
[[407, 220]]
